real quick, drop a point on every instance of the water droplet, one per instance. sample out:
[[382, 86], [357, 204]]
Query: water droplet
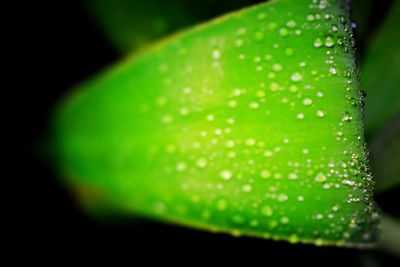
[[293, 239], [236, 232], [300, 198], [257, 59], [277, 67], [231, 154], [181, 166], [285, 220], [293, 88], [268, 153], [283, 32], [210, 117], [266, 211], [230, 143], [348, 182], [261, 16], [261, 94], [320, 113], [159, 207], [265, 174], [250, 142], [161, 101], [247, 188], [272, 25], [296, 77], [363, 96], [239, 219], [237, 92], [277, 175], [216, 54], [289, 51], [221, 204], [333, 70], [320, 178], [163, 67], [226, 175], [300, 116], [201, 162], [239, 42], [184, 111], [318, 42], [254, 105], [310, 17], [291, 24], [329, 42], [166, 119], [346, 117], [274, 87], [273, 224], [282, 197], [307, 101], [293, 176], [232, 103]]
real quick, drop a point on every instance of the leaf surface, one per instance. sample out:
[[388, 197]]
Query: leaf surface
[[249, 124]]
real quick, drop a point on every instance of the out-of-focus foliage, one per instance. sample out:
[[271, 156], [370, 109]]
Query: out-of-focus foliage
[[380, 76], [131, 24], [385, 155], [361, 11], [381, 80]]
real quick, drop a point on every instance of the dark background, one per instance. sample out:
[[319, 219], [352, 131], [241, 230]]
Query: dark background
[[51, 46]]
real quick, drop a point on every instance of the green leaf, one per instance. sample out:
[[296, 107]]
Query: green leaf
[[379, 75], [249, 124], [361, 12], [131, 24], [390, 235], [385, 155]]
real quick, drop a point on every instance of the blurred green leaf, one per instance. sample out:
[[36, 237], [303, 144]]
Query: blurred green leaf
[[249, 124], [361, 11], [391, 235], [385, 155], [131, 24], [380, 74]]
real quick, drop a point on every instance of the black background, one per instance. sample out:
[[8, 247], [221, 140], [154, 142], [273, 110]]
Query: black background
[[51, 46]]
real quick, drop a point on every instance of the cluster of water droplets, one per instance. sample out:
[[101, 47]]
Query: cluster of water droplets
[[247, 166]]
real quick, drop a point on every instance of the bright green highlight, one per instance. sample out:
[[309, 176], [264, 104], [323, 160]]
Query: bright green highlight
[[249, 124]]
